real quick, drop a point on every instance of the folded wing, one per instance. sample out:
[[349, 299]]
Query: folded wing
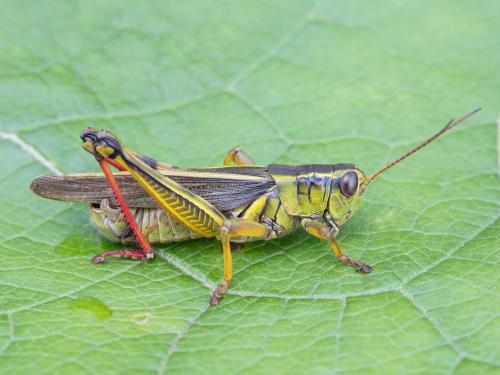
[[227, 188]]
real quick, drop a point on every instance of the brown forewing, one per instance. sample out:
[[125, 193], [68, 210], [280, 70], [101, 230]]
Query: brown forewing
[[226, 188]]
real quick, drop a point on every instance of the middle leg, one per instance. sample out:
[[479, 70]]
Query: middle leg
[[232, 229]]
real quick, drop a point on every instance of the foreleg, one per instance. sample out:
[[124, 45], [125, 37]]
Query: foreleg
[[325, 232]]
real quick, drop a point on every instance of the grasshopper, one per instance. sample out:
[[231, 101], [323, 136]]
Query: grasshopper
[[147, 201]]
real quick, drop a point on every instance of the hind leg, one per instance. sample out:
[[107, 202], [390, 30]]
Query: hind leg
[[146, 251], [90, 138]]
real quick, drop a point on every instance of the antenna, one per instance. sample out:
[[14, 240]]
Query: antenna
[[450, 125]]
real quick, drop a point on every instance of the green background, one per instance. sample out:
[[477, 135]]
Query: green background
[[288, 81]]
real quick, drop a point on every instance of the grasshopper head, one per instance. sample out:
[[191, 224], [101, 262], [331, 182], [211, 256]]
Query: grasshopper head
[[348, 187], [101, 143]]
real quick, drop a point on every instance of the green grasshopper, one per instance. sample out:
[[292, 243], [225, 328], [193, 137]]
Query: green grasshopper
[[151, 202]]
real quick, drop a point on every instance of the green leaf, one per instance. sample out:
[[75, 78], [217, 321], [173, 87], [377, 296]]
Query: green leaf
[[290, 82]]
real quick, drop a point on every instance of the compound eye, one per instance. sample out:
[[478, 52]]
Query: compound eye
[[349, 184]]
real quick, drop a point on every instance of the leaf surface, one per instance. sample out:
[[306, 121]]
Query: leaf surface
[[290, 82]]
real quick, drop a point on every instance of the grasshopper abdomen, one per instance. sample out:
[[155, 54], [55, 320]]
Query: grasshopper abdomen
[[155, 224]]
